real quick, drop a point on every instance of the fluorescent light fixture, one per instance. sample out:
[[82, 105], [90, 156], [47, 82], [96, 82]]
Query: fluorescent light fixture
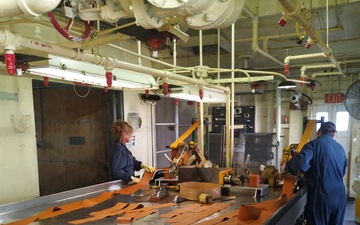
[[191, 93], [75, 71], [287, 85]]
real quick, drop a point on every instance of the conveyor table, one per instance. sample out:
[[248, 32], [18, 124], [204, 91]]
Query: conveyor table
[[19, 210]]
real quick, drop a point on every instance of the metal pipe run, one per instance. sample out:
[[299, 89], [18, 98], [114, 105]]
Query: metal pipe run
[[8, 38], [292, 9]]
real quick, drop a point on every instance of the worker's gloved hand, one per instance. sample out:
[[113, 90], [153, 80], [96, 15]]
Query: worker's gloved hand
[[135, 179], [147, 168], [283, 168]]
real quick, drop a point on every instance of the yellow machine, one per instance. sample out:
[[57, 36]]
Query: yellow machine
[[289, 151]]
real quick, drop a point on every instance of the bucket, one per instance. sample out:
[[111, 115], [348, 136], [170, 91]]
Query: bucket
[[356, 188], [254, 180]]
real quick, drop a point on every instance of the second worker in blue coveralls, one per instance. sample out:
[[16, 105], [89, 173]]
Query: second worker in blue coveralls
[[122, 163], [323, 162]]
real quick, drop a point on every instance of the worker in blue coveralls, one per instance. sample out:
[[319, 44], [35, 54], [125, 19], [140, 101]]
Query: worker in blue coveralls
[[323, 163], [122, 162]]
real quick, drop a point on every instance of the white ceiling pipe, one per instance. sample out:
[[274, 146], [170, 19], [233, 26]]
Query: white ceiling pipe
[[292, 10], [314, 75], [247, 73], [296, 57], [255, 44], [316, 66], [288, 35], [230, 151], [305, 56], [27, 7], [7, 37]]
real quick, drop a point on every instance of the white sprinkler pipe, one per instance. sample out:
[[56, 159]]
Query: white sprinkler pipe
[[316, 66], [296, 57], [306, 56], [27, 7], [255, 36], [324, 74], [292, 9]]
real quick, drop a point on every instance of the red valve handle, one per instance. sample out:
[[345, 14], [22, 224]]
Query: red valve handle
[[65, 31]]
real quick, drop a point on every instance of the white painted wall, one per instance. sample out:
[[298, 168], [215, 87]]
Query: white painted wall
[[18, 161], [143, 149]]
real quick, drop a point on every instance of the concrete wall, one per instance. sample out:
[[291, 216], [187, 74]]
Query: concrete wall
[[18, 161]]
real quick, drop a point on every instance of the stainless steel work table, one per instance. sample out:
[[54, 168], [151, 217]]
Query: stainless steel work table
[[28, 208]]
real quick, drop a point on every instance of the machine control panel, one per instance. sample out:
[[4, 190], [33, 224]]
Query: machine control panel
[[243, 115]]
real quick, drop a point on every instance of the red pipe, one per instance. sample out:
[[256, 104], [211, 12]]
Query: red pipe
[[65, 31]]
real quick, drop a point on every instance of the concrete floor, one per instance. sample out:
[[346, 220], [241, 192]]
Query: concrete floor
[[350, 212]]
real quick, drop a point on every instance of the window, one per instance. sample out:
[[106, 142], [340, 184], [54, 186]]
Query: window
[[342, 121], [318, 117]]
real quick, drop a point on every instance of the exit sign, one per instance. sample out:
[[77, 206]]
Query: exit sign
[[334, 98]]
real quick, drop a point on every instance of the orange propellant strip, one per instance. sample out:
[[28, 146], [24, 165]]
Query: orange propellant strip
[[140, 213], [59, 210], [306, 136], [188, 208], [258, 213], [131, 212], [222, 218], [190, 216], [116, 210], [131, 216]]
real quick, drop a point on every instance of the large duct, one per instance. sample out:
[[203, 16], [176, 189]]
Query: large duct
[[26, 7]]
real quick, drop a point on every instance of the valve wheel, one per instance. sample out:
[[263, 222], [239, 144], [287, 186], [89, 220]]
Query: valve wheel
[[65, 31]]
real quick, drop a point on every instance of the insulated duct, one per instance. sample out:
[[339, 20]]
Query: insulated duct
[[27, 7]]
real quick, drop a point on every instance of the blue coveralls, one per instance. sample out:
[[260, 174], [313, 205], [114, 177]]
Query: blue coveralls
[[122, 162], [323, 162]]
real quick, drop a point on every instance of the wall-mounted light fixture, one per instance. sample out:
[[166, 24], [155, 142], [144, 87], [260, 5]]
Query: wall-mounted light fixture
[[74, 71], [287, 85], [256, 88]]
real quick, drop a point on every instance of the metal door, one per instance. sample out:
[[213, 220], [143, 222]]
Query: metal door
[[337, 114]]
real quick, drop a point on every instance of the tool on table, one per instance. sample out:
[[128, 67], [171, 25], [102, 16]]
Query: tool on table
[[178, 199], [175, 187], [161, 194], [208, 199]]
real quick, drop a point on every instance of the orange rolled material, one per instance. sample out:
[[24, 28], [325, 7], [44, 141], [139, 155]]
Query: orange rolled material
[[254, 180]]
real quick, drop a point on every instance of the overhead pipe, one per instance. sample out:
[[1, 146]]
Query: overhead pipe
[[277, 36], [316, 66], [7, 37], [292, 9], [297, 57], [314, 75], [27, 7], [248, 72], [255, 45]]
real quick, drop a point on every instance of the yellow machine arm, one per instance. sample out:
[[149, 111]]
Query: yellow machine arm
[[296, 148], [181, 139]]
